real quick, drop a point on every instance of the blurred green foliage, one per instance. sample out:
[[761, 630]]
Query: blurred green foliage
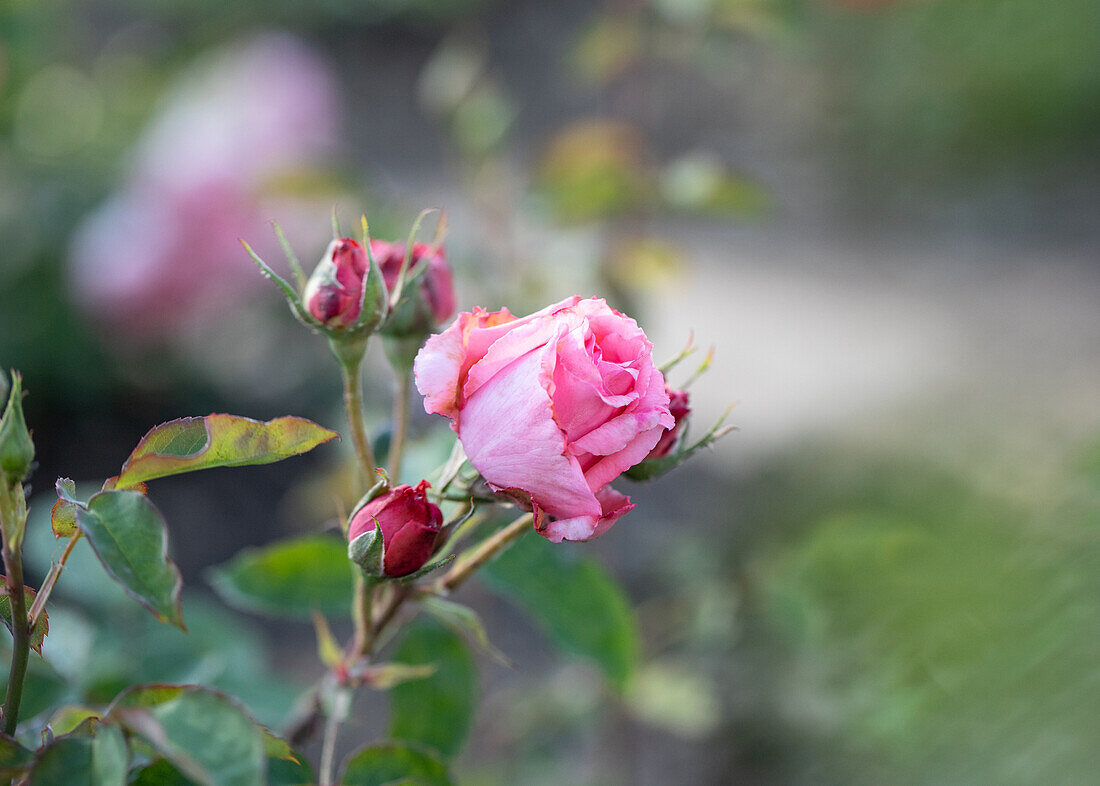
[[945, 631]]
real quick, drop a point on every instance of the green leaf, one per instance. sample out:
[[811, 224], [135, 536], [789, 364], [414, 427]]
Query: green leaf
[[190, 444], [281, 772], [276, 747], [129, 536], [576, 602], [78, 760], [203, 733], [377, 765], [41, 628], [436, 710], [464, 620], [69, 717], [14, 758], [43, 687], [289, 578], [160, 773]]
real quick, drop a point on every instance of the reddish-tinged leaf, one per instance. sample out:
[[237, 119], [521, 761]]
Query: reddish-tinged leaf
[[41, 628], [190, 444]]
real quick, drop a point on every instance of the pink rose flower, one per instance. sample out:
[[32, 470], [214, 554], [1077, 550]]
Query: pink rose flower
[[550, 407]]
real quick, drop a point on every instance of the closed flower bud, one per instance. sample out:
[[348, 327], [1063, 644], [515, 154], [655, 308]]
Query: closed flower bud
[[16, 447], [410, 527], [335, 290], [678, 406], [428, 299]]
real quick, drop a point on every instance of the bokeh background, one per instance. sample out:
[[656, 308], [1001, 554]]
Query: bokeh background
[[882, 213]]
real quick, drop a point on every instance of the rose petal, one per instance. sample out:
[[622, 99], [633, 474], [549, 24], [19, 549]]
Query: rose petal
[[613, 506], [508, 430]]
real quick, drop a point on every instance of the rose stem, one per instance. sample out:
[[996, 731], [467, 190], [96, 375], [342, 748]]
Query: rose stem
[[341, 702], [476, 557], [400, 422], [463, 569], [51, 579], [361, 616], [363, 591], [13, 570], [353, 404]]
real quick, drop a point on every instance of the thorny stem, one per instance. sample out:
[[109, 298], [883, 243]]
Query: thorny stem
[[51, 579], [389, 608], [374, 621], [13, 575], [353, 404], [473, 559], [364, 590], [400, 422], [361, 615]]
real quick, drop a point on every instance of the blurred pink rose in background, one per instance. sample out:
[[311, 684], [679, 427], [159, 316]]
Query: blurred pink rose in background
[[550, 407], [163, 250]]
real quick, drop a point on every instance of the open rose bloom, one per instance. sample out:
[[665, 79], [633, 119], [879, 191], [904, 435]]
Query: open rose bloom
[[550, 407]]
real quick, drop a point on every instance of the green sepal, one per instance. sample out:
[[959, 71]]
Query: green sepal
[[291, 257], [293, 297], [424, 571], [368, 553], [651, 468], [16, 445], [374, 297]]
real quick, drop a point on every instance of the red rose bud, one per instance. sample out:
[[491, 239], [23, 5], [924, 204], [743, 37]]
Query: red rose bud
[[410, 527], [430, 301], [335, 290], [678, 406]]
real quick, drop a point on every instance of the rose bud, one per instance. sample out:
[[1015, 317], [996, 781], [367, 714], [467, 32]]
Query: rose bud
[[429, 297], [678, 406], [334, 291], [410, 527], [16, 446], [551, 407]]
